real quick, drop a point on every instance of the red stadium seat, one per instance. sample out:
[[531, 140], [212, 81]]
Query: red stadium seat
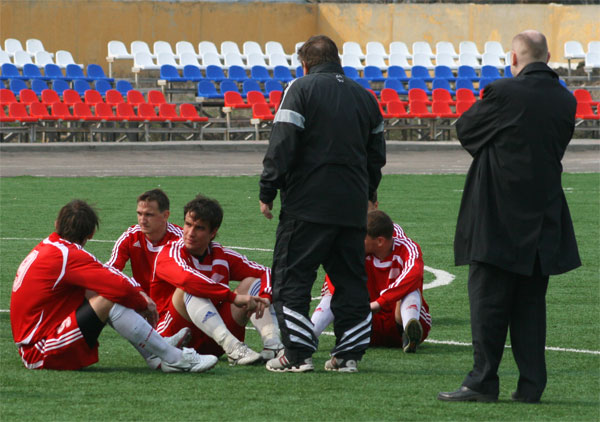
[[50, 96], [28, 96], [92, 97], [191, 114], [584, 96], [275, 99], [135, 97], [125, 112], [40, 111], [418, 94], [442, 95], [61, 111], [388, 95], [234, 99], [419, 109], [442, 109], [462, 106], [585, 111], [105, 112], [262, 111], [3, 116], [156, 98], [397, 109], [7, 97], [464, 94], [148, 113], [114, 98], [168, 112], [18, 112], [71, 97], [83, 112], [255, 97]]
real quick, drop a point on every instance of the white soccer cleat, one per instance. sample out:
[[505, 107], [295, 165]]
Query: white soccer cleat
[[243, 355], [190, 362], [271, 352], [282, 364], [412, 336], [179, 340], [341, 365]]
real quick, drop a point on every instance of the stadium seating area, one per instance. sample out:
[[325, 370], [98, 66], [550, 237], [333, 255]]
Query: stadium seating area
[[421, 91]]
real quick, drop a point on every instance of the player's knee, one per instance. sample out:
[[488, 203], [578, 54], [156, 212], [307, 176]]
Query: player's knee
[[101, 306], [246, 286]]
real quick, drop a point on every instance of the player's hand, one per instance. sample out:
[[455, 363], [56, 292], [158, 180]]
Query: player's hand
[[150, 313], [375, 307], [261, 304], [266, 209]]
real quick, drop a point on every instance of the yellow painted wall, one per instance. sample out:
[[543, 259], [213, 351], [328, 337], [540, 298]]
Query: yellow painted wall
[[84, 27]]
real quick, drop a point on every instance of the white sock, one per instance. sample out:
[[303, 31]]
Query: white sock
[[410, 308], [206, 317], [267, 326], [130, 325], [322, 316]]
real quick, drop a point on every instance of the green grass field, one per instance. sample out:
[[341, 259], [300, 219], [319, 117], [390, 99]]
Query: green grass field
[[390, 384]]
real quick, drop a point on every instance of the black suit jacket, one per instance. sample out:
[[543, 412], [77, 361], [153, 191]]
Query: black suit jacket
[[513, 206]]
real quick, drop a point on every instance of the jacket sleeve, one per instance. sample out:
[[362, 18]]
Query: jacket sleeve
[[241, 267], [409, 280], [120, 252], [479, 124], [283, 144], [375, 154], [172, 268]]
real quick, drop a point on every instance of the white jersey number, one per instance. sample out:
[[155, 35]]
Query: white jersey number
[[23, 268]]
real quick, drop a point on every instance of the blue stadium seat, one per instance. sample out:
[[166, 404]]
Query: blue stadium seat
[[418, 83], [53, 72], [59, 85], [443, 72], [31, 71], [465, 71], [16, 85], [259, 73], [215, 73], [38, 85], [465, 83], [397, 72], [123, 87], [483, 82], [490, 72], [10, 71], [272, 85], [396, 85], [74, 72], [250, 85], [364, 83], [237, 73], [442, 83], [81, 85], [192, 73], [102, 86], [351, 72], [300, 72], [420, 72], [373, 73], [95, 72], [207, 89], [228, 85], [170, 73], [507, 72], [282, 73]]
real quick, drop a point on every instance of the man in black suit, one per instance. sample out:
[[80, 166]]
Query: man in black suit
[[514, 228]]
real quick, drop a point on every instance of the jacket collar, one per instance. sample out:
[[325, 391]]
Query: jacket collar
[[539, 68], [328, 67]]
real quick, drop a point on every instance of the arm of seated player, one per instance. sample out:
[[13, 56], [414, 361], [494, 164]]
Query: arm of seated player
[[409, 280], [240, 268], [120, 252]]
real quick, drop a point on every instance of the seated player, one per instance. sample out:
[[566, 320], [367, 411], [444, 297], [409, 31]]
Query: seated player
[[62, 298], [191, 289], [140, 243], [394, 266]]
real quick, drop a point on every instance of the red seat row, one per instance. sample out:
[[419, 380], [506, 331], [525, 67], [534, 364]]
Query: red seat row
[[235, 100]]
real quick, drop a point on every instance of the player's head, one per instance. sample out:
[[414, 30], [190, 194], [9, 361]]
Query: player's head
[[380, 231], [318, 49], [203, 217], [528, 47], [76, 222], [153, 213]]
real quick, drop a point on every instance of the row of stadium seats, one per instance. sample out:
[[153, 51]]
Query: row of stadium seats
[[59, 85], [36, 54], [52, 71]]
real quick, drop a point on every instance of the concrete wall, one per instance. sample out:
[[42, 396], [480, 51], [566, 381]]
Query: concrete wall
[[84, 27]]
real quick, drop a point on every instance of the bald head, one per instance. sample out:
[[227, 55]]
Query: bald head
[[528, 47]]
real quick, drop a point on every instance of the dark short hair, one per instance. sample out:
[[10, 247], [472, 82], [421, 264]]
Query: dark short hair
[[318, 49], [379, 224], [157, 195], [206, 209], [77, 221]]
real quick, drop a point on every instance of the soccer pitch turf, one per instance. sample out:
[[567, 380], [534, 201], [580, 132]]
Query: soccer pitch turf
[[390, 385]]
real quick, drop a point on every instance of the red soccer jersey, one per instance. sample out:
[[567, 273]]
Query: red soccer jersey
[[392, 278], [51, 282], [134, 245], [175, 268]]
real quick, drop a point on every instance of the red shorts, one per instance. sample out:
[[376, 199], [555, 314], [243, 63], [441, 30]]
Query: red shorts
[[64, 348], [171, 322], [385, 332]]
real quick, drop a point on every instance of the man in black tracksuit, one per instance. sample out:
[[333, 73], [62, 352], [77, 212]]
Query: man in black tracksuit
[[325, 155]]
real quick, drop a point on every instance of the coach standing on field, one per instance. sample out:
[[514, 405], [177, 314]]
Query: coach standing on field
[[325, 155], [514, 228]]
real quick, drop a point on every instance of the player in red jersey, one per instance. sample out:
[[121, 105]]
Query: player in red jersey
[[394, 266], [140, 243], [191, 289], [62, 298]]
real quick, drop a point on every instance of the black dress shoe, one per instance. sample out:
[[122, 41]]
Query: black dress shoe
[[516, 396], [466, 394]]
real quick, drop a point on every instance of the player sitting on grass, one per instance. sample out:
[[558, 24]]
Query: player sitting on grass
[[191, 288], [394, 266], [62, 298]]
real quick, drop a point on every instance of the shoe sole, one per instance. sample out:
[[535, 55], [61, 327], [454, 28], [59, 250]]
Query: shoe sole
[[245, 363], [478, 398], [343, 370], [414, 332], [295, 369]]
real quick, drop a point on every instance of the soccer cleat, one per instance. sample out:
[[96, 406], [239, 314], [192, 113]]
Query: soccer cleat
[[179, 340], [412, 336], [190, 362], [282, 364], [341, 365], [271, 352], [242, 355]]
